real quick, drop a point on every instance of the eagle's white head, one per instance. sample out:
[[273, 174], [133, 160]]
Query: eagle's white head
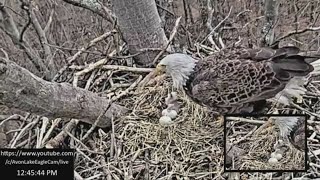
[[179, 66], [285, 124]]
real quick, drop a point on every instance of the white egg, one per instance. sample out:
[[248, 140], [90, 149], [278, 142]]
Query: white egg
[[171, 113], [165, 120], [273, 160], [165, 112], [278, 156]]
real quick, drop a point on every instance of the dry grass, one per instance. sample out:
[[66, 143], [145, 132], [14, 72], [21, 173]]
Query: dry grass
[[191, 148], [256, 148], [138, 147]]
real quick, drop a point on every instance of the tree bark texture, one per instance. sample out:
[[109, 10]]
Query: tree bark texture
[[271, 13], [140, 25], [21, 89]]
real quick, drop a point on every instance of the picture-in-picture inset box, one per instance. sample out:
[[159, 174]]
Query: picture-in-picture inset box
[[265, 143]]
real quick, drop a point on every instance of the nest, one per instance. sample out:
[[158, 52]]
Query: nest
[[138, 147], [190, 147], [252, 150]]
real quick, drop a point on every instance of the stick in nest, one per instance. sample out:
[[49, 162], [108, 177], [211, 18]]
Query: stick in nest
[[76, 55]]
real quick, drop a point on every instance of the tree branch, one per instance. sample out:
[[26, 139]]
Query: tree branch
[[8, 25], [43, 40], [95, 7], [291, 33], [22, 90]]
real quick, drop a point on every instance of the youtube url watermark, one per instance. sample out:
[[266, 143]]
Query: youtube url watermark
[[57, 163], [19, 153], [36, 162]]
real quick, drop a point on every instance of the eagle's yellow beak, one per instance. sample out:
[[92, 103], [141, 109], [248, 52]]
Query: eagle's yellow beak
[[160, 69]]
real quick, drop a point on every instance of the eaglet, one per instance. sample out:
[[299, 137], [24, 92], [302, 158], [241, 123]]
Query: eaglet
[[235, 80]]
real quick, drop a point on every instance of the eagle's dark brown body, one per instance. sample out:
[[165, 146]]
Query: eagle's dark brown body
[[234, 80], [297, 136]]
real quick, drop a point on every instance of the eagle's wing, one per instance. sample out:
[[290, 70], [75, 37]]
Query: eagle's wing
[[234, 82], [265, 53], [298, 135]]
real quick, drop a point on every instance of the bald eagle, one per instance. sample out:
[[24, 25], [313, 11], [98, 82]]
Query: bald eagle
[[236, 80], [293, 128]]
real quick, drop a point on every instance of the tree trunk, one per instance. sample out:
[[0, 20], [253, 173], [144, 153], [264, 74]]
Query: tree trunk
[[21, 89], [140, 26], [271, 14]]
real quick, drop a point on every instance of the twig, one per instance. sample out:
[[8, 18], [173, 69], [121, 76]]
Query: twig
[[215, 28], [95, 7], [43, 40], [126, 68], [76, 55], [291, 33], [90, 68], [86, 157], [246, 120], [5, 53], [115, 87], [116, 67], [113, 142], [25, 7], [45, 122], [93, 66], [12, 117], [75, 49], [30, 125], [245, 137], [46, 28], [77, 176], [23, 143], [94, 125], [315, 165], [78, 141], [9, 26], [105, 168], [209, 24], [172, 35], [125, 92], [305, 110], [53, 125], [92, 76], [56, 141]]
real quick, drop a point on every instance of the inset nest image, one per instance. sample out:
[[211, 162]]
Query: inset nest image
[[265, 143]]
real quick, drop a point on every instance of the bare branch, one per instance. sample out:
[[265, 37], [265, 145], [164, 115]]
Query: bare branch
[[291, 33], [76, 55], [116, 67], [46, 28], [209, 24], [25, 7], [172, 35], [271, 14], [22, 90], [8, 25], [95, 7], [215, 28], [43, 40]]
